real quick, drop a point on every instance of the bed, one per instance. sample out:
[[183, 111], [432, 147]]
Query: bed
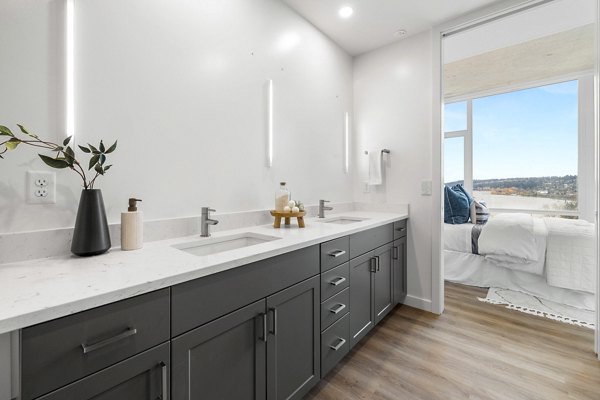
[[551, 258]]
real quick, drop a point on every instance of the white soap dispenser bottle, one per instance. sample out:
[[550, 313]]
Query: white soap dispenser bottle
[[132, 227]]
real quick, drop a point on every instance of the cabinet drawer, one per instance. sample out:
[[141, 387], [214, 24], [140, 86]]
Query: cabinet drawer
[[400, 229], [202, 300], [334, 308], [335, 344], [64, 350], [142, 377], [335, 252], [365, 241], [335, 280]]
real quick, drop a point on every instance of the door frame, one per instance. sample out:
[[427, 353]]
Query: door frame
[[479, 17]]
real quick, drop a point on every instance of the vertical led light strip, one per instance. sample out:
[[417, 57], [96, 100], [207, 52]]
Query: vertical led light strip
[[270, 125], [70, 68], [346, 143]]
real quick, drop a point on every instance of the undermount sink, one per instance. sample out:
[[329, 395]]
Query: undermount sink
[[344, 220], [225, 243]]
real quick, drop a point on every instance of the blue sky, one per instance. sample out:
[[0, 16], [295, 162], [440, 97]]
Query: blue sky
[[527, 133]]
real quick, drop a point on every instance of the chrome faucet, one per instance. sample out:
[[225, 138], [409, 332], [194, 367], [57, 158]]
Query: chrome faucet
[[323, 208], [205, 221]]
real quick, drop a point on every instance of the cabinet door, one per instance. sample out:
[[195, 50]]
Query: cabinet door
[[399, 270], [224, 359], [142, 377], [384, 285], [293, 349], [361, 296]]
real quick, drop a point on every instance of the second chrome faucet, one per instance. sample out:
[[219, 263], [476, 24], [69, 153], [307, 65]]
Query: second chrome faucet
[[205, 221], [323, 208]]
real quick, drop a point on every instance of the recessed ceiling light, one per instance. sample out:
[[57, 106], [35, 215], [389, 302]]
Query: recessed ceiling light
[[400, 33], [346, 12]]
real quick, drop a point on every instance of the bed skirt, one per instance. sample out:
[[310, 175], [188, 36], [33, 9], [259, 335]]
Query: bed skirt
[[475, 270]]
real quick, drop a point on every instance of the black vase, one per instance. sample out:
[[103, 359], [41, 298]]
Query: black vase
[[91, 236]]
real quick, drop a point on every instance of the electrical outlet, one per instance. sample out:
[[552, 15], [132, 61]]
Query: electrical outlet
[[41, 187]]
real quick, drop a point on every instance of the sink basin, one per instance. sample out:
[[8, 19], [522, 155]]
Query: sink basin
[[344, 220], [225, 243]]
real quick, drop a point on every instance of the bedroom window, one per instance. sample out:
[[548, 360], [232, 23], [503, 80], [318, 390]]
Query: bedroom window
[[524, 150]]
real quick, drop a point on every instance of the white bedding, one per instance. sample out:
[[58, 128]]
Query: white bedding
[[570, 254], [458, 238], [512, 237], [560, 250]]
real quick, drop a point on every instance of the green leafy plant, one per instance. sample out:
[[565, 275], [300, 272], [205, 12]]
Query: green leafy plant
[[65, 155]]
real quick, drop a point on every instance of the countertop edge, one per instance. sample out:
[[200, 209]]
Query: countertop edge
[[41, 315]]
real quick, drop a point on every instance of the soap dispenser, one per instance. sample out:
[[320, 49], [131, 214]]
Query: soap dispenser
[[132, 227]]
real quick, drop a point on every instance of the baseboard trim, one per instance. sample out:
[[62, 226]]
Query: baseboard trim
[[417, 302]]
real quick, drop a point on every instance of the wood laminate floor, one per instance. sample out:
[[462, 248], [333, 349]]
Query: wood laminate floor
[[474, 350]]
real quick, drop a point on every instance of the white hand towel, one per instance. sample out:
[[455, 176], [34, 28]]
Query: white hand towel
[[375, 168]]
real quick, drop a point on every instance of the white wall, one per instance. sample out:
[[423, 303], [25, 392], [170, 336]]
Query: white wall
[[182, 86], [392, 107]]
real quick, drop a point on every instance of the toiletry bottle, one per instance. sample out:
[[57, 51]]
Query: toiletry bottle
[[282, 197], [132, 227]]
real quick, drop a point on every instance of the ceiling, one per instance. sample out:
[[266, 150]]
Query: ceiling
[[519, 28], [374, 21]]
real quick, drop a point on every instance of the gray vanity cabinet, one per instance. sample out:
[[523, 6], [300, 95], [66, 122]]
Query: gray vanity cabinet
[[383, 293], [362, 319], [224, 359], [293, 347], [266, 350], [142, 377], [399, 270], [371, 289]]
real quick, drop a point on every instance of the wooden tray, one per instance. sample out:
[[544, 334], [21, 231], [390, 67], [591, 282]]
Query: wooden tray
[[288, 216]]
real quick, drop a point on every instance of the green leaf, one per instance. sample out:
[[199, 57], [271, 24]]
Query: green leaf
[[67, 140], [102, 159], [99, 169], [94, 150], [107, 167], [111, 148], [4, 131], [25, 131], [53, 162], [85, 149], [12, 143], [22, 128], [94, 161], [102, 148], [69, 156]]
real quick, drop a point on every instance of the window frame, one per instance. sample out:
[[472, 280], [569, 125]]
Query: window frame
[[586, 141]]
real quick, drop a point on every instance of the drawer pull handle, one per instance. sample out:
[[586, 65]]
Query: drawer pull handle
[[164, 383], [338, 281], [400, 229], [88, 348], [339, 345], [339, 309], [337, 253]]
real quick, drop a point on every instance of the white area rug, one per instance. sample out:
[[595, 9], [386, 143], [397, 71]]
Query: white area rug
[[543, 308]]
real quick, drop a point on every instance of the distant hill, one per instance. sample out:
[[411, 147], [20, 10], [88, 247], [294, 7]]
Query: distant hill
[[561, 187]]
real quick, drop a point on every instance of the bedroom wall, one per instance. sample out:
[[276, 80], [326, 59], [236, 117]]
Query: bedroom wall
[[392, 109]]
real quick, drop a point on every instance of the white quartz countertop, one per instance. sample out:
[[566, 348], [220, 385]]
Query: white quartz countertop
[[40, 290]]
